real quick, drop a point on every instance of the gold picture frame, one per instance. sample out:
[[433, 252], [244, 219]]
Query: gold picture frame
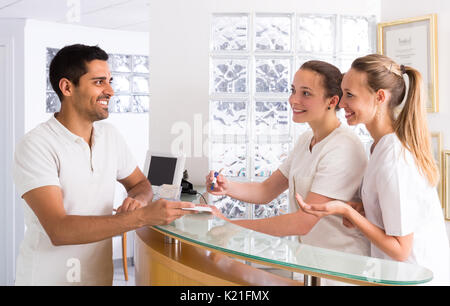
[[436, 146], [413, 42], [446, 181]]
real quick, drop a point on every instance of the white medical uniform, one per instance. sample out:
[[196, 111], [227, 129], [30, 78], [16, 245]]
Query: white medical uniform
[[51, 155], [399, 200], [334, 168]]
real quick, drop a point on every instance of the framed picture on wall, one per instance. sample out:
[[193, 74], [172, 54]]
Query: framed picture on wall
[[413, 42], [446, 185], [436, 146]]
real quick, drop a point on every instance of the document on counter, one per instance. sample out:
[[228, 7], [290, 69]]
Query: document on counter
[[199, 208]]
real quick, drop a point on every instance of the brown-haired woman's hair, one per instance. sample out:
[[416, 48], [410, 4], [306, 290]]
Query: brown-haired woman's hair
[[331, 78], [410, 125]]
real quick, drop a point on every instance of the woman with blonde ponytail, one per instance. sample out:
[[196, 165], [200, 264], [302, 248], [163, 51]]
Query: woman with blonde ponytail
[[403, 216]]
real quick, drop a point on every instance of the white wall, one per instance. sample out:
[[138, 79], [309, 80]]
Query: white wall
[[12, 126], [179, 61], [40, 35], [400, 9], [3, 144]]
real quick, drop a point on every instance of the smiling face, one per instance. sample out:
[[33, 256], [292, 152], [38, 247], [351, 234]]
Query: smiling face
[[358, 101], [91, 96], [307, 98]]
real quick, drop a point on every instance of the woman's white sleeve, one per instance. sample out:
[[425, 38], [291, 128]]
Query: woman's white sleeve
[[340, 171], [398, 199]]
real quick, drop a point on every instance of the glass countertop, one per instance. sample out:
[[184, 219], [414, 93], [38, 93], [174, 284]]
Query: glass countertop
[[288, 253]]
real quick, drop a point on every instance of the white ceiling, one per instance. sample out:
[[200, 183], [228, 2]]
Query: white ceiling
[[127, 15]]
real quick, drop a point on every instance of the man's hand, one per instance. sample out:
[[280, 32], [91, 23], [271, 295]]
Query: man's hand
[[129, 204], [163, 212], [138, 187]]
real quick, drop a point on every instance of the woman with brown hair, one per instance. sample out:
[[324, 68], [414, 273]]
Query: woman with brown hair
[[327, 163], [403, 216]]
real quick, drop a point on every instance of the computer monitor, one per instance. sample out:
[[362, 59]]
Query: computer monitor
[[164, 168]]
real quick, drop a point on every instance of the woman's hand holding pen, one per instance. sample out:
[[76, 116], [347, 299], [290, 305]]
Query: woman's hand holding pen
[[217, 184]]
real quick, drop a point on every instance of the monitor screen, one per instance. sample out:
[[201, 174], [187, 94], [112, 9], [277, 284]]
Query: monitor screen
[[162, 170]]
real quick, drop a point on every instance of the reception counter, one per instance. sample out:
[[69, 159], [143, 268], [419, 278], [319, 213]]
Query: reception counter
[[204, 250]]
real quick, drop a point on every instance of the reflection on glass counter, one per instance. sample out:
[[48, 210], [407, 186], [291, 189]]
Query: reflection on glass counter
[[235, 209], [287, 253], [231, 207]]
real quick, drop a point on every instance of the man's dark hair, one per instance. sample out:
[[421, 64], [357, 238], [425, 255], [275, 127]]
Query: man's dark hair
[[70, 63]]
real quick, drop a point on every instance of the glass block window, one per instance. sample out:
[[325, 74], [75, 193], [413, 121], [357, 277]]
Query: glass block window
[[253, 58], [271, 117], [273, 33], [230, 32], [230, 75], [272, 75], [130, 83], [230, 118], [316, 34], [52, 104]]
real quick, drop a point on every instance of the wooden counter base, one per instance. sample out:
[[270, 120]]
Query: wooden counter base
[[161, 264]]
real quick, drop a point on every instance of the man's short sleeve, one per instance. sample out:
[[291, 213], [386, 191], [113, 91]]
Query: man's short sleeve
[[340, 170], [126, 164], [34, 165]]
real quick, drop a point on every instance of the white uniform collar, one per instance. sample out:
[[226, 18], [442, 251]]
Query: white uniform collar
[[67, 134]]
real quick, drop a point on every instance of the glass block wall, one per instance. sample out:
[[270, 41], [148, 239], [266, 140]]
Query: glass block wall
[[130, 83], [253, 58]]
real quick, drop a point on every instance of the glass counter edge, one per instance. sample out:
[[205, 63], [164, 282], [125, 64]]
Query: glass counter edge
[[368, 280]]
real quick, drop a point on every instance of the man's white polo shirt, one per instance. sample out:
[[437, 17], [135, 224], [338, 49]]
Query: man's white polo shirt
[[51, 155]]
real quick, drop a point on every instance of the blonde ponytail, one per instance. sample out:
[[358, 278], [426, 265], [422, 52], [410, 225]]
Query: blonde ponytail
[[411, 124], [412, 129]]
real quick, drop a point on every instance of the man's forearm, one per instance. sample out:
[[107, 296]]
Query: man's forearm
[[72, 230], [142, 192]]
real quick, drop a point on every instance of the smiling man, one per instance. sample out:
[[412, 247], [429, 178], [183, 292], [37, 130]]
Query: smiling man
[[66, 168]]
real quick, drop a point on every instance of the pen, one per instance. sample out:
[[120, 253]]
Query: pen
[[216, 174]]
